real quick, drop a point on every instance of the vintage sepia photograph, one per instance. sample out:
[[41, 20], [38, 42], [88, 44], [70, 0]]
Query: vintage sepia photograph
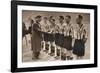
[[51, 36]]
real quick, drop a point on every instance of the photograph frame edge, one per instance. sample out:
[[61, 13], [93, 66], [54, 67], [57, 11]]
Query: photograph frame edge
[[14, 5]]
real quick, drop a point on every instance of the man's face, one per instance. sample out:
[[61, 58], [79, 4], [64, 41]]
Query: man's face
[[50, 18], [38, 19], [78, 20], [52, 21], [60, 19], [67, 19], [45, 19]]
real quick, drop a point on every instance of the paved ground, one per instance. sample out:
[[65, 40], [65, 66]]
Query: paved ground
[[27, 53]]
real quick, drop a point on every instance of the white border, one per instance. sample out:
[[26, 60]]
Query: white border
[[49, 63]]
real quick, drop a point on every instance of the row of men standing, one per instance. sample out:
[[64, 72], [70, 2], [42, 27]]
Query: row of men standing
[[56, 37]]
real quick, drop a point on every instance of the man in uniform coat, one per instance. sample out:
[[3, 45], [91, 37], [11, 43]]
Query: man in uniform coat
[[36, 42]]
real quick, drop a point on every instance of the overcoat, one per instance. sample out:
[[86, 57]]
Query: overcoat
[[36, 38]]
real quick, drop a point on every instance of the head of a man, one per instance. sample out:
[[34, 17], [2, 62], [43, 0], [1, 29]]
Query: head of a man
[[79, 19], [45, 19], [38, 18], [68, 19], [61, 19], [53, 21]]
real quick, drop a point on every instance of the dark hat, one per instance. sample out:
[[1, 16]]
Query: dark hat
[[38, 16]]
